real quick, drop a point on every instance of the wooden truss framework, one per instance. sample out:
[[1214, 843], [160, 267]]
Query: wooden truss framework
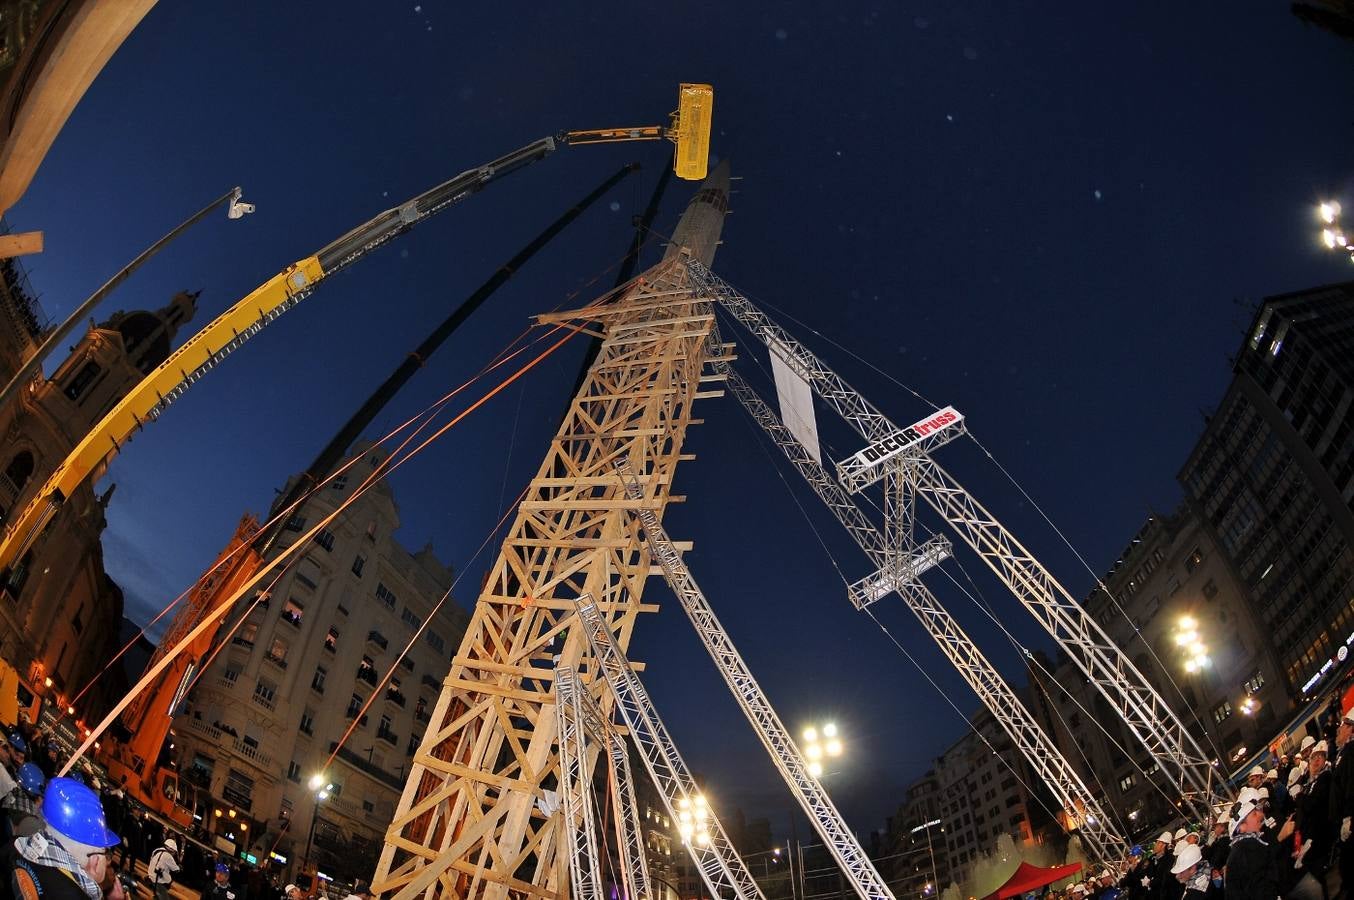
[[478, 816]]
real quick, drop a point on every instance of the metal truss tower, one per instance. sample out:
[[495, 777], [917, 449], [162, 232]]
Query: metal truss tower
[[913, 471], [470, 822], [579, 718], [899, 572]]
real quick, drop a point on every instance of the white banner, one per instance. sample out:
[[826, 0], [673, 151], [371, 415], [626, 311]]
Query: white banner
[[796, 399]]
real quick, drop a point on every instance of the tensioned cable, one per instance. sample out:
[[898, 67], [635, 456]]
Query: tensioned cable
[[159, 667], [502, 357]]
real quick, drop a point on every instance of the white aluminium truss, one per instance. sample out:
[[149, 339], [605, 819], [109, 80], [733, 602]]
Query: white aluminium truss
[[1105, 665], [580, 717], [1099, 836], [719, 865], [817, 805], [575, 787]]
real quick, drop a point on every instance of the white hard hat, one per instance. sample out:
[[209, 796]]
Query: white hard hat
[[1244, 810], [1223, 820], [1264, 793], [1165, 838], [1294, 775], [1179, 847], [1307, 742], [1321, 747], [171, 845], [1256, 770], [1247, 795], [1272, 773], [289, 888], [1180, 834], [1188, 857], [1348, 716]]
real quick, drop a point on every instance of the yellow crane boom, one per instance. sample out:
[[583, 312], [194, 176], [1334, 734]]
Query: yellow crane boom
[[690, 131]]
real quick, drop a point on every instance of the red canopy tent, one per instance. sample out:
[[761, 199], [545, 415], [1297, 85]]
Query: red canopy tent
[[1027, 878]]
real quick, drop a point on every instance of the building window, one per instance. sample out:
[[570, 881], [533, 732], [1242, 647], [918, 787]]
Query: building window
[[385, 595], [358, 562], [1255, 682], [325, 539], [371, 531], [368, 806], [435, 641], [1222, 711], [354, 706], [249, 632], [277, 652], [76, 386], [265, 693], [296, 522], [407, 664], [294, 771], [331, 639], [1210, 589], [317, 682], [308, 721], [1125, 783], [76, 623], [230, 675], [292, 612], [1193, 561], [19, 470], [410, 619], [340, 482]]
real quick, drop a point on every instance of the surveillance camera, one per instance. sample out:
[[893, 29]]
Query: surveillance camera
[[239, 209]]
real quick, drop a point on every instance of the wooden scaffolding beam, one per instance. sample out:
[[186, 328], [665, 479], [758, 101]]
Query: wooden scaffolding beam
[[471, 821]]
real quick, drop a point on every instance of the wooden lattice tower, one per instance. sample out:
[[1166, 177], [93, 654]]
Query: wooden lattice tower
[[477, 817]]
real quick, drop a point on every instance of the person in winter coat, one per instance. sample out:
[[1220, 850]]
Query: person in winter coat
[[67, 859], [1311, 818], [220, 888], [163, 864], [1252, 871]]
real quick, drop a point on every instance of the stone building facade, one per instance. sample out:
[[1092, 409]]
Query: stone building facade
[[279, 698]]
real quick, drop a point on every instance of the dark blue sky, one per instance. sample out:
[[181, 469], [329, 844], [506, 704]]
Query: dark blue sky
[[1054, 220]]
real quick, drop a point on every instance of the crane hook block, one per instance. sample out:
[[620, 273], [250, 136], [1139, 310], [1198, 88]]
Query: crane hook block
[[695, 106]]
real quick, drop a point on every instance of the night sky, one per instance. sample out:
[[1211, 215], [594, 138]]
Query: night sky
[[1055, 220]]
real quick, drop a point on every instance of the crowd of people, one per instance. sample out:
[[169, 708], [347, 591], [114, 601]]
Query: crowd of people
[[57, 838], [1288, 835]]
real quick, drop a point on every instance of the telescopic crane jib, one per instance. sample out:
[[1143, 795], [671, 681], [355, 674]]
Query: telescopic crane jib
[[689, 130]]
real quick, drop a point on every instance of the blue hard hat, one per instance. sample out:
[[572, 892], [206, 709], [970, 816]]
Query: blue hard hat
[[223, 868], [17, 741], [73, 810], [31, 778], [1136, 851]]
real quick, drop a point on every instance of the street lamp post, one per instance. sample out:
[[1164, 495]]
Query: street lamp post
[[321, 789], [931, 851]]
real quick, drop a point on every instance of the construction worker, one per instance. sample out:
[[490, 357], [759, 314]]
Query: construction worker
[[291, 892], [163, 864], [67, 859], [1311, 819], [1219, 842], [1252, 865], [220, 888], [21, 806]]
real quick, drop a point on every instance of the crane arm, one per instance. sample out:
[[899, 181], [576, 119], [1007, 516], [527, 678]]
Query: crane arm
[[202, 352]]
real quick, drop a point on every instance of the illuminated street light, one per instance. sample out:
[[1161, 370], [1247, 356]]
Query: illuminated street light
[[821, 743], [1334, 237], [693, 819], [1187, 638]]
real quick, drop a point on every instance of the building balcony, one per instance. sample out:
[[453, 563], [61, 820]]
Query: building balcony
[[395, 697], [429, 681], [423, 716], [367, 674], [377, 639], [361, 762], [253, 754], [268, 703], [291, 618], [242, 641], [390, 737], [279, 661], [205, 729]]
